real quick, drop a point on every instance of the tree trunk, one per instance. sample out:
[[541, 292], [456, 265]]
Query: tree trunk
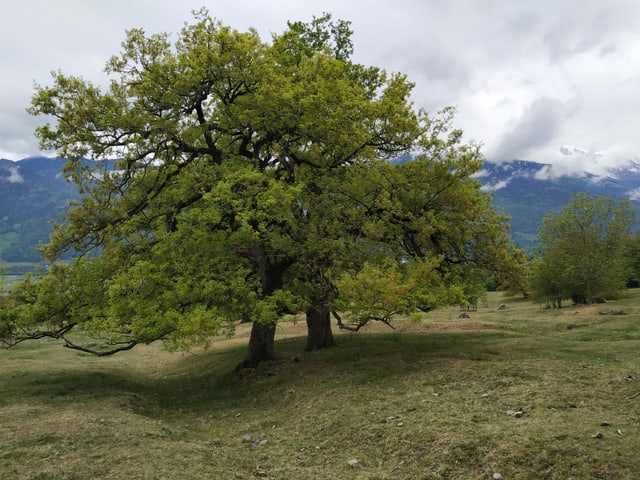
[[319, 333], [261, 341], [261, 345]]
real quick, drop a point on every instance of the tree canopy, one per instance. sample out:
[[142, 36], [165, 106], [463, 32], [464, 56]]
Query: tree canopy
[[584, 250], [253, 180]]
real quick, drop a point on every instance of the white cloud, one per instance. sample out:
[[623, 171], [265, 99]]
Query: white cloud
[[494, 187], [14, 175], [558, 170], [481, 173], [634, 194]]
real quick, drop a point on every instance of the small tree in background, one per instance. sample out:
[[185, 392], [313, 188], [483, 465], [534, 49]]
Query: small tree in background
[[585, 251]]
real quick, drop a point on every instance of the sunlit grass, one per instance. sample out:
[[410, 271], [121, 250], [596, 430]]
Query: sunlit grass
[[426, 400]]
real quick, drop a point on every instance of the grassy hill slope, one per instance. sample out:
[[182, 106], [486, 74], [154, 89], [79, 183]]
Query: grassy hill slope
[[437, 399]]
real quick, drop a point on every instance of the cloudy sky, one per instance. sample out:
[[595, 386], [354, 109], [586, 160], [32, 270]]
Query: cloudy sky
[[553, 81]]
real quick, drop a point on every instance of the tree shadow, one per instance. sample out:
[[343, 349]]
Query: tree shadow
[[206, 381]]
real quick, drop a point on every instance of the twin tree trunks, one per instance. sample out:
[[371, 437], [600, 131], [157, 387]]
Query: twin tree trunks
[[261, 341]]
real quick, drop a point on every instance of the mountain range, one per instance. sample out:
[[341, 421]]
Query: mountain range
[[527, 191], [33, 192]]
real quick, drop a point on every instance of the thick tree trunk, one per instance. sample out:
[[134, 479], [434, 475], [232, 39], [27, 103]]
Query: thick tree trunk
[[261, 345], [319, 334], [261, 341]]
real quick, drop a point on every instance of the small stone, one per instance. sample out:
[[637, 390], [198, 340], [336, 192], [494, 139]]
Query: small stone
[[597, 435], [246, 438], [215, 442], [400, 424], [261, 473], [605, 424], [497, 476], [511, 413], [619, 432], [257, 444], [485, 395], [353, 462]]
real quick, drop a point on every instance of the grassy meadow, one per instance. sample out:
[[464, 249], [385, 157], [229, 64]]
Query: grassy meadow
[[520, 393]]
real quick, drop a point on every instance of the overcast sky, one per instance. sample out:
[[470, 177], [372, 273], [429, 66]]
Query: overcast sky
[[552, 81]]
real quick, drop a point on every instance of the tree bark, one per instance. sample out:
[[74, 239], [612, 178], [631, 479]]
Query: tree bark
[[261, 345], [261, 341], [319, 334]]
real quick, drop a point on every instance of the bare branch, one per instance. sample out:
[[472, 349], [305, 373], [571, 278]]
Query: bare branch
[[354, 327], [100, 353], [15, 338]]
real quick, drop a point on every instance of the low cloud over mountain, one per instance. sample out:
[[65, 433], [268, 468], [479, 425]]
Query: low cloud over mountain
[[527, 191]]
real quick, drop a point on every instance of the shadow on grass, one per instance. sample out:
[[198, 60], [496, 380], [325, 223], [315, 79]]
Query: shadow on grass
[[206, 380]]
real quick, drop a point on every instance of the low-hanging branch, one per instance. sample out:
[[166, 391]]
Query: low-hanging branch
[[354, 327], [123, 346], [14, 338], [119, 345]]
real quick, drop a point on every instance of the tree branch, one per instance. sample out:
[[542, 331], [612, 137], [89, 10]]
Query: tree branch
[[354, 327], [15, 338], [100, 353]]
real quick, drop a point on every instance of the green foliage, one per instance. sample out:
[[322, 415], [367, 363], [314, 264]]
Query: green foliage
[[585, 250], [252, 182], [633, 249]]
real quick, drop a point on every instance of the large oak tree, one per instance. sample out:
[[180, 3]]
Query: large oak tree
[[253, 180]]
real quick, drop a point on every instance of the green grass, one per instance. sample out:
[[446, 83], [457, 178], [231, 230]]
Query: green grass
[[424, 401]]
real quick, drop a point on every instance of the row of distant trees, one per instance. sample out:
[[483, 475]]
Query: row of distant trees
[[254, 182]]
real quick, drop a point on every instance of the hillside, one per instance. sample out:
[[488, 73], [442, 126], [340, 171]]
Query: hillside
[[512, 394], [33, 192]]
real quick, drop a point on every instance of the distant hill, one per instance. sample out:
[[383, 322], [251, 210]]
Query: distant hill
[[33, 192], [527, 191]]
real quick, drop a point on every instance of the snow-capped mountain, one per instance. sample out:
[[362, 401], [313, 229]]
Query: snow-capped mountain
[[527, 191]]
